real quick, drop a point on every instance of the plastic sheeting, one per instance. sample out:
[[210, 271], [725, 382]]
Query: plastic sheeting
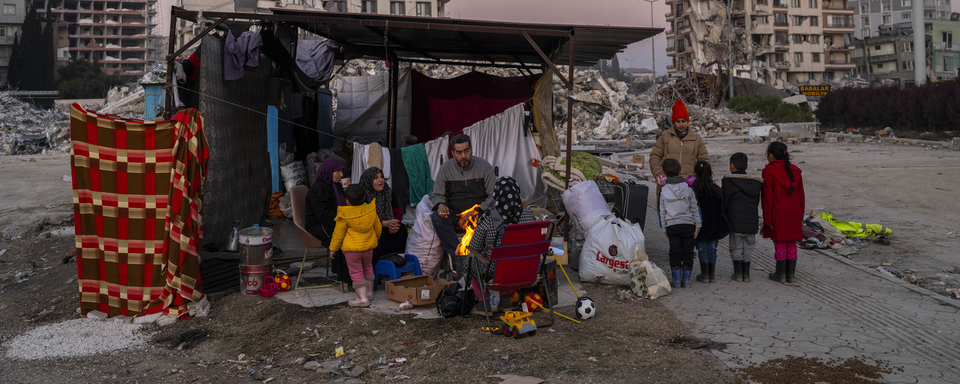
[[363, 108]]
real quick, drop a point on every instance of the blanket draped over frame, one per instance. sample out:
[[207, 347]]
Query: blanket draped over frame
[[137, 196]]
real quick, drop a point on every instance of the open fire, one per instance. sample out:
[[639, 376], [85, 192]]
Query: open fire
[[469, 225]]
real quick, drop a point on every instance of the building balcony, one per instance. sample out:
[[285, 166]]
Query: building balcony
[[782, 65], [882, 58], [944, 47], [781, 47], [763, 29], [839, 64], [834, 48]]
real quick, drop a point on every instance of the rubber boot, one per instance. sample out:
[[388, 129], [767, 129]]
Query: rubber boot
[[361, 300], [737, 271], [685, 282], [369, 288], [791, 271], [504, 304], [746, 271], [704, 276], [712, 272], [675, 281], [779, 274]]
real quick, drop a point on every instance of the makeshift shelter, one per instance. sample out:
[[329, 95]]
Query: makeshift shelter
[[397, 39]]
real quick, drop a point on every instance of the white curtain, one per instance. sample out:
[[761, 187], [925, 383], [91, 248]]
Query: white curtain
[[503, 141]]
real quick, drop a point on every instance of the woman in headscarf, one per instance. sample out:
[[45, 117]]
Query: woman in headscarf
[[509, 208], [323, 200], [393, 239]]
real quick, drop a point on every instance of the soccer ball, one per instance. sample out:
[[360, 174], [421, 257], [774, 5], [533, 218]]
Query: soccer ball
[[585, 308], [532, 298], [284, 283], [514, 298]]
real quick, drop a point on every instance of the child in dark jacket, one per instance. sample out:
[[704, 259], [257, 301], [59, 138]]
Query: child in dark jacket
[[741, 197], [714, 228], [680, 219], [783, 209]]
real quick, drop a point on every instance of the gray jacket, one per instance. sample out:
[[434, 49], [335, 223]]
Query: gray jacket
[[460, 188], [678, 204]]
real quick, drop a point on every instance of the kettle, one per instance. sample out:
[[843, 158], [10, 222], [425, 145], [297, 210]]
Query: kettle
[[233, 242]]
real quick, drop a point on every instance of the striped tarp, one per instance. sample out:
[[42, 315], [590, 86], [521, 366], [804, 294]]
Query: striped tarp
[[137, 196]]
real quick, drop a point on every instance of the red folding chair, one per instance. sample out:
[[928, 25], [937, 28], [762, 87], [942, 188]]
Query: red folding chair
[[520, 257]]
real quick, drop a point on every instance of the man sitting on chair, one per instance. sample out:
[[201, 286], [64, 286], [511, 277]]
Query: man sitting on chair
[[509, 208], [461, 183]]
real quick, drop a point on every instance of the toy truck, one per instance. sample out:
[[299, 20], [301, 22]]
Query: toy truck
[[518, 324]]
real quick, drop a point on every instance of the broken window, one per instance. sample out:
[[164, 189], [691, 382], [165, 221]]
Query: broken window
[[815, 57], [814, 21], [780, 19]]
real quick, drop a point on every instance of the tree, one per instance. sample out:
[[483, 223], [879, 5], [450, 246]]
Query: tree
[[615, 71], [81, 79], [32, 59]]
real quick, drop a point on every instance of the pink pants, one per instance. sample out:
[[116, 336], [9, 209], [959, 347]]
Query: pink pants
[[785, 250], [361, 265]]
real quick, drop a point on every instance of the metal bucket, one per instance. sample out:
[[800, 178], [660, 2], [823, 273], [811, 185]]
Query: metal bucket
[[255, 246], [252, 277]]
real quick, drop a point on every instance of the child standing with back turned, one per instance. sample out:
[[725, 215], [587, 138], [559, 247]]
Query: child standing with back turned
[[357, 233], [741, 197], [680, 219], [714, 227], [783, 209]]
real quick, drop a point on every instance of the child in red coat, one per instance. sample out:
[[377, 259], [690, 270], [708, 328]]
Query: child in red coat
[[783, 208]]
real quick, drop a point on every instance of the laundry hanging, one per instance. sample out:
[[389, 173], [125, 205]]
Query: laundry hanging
[[418, 172], [361, 161], [137, 197], [438, 151], [502, 141]]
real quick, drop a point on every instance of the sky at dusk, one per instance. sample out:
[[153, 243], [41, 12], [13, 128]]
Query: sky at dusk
[[629, 13]]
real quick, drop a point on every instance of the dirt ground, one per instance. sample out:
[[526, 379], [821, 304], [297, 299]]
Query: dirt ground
[[909, 189]]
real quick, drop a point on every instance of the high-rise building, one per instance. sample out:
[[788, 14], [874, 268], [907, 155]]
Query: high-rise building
[[778, 42], [114, 33], [12, 13], [880, 17]]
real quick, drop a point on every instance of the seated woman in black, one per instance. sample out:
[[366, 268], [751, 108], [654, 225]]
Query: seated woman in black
[[325, 196], [509, 208], [393, 239]]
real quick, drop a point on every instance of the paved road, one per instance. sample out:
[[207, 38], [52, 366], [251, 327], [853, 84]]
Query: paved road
[[836, 309]]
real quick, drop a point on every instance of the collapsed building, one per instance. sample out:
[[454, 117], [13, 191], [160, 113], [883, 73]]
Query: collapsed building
[[776, 42]]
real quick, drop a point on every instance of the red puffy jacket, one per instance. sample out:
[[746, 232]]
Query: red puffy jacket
[[781, 210]]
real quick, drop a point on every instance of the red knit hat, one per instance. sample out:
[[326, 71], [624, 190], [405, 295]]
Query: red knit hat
[[679, 112]]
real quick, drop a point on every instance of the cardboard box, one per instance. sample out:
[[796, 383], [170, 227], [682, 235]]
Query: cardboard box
[[638, 159], [420, 290]]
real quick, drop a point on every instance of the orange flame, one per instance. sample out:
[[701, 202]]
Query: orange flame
[[470, 225]]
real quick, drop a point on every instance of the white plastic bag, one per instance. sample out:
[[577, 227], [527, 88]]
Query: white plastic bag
[[648, 281], [610, 246], [585, 205], [422, 241], [293, 175]]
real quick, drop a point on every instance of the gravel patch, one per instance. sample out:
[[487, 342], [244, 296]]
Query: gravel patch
[[74, 338]]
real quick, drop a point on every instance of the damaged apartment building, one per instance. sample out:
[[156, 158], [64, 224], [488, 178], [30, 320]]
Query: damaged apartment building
[[776, 42], [114, 33]]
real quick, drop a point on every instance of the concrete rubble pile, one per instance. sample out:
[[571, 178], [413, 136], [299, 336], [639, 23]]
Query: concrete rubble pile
[[25, 129]]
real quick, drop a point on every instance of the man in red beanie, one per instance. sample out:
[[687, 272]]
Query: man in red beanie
[[679, 143]]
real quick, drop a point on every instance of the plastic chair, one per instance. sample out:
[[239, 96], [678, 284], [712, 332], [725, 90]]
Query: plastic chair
[[298, 202], [520, 257], [387, 267]]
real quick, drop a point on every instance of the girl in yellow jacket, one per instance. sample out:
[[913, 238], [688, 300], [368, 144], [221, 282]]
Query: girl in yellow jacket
[[357, 233]]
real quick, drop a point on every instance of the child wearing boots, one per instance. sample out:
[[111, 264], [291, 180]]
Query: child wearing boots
[[356, 233], [714, 227], [783, 210], [680, 219], [741, 197]]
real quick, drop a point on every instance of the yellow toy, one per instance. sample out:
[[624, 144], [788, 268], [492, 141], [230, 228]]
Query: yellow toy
[[518, 324]]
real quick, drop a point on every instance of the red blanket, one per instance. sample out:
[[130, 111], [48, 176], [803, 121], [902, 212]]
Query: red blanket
[[137, 196]]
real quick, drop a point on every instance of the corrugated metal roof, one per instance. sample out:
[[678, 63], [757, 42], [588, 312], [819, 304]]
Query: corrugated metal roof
[[431, 38]]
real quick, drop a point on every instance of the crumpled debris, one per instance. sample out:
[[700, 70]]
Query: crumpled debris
[[27, 130]]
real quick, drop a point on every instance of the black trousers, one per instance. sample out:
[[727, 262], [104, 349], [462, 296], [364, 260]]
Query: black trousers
[[681, 246]]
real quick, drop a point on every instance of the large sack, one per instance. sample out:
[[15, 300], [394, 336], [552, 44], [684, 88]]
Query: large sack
[[293, 175], [611, 245], [422, 241], [312, 165], [585, 204], [647, 280]]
